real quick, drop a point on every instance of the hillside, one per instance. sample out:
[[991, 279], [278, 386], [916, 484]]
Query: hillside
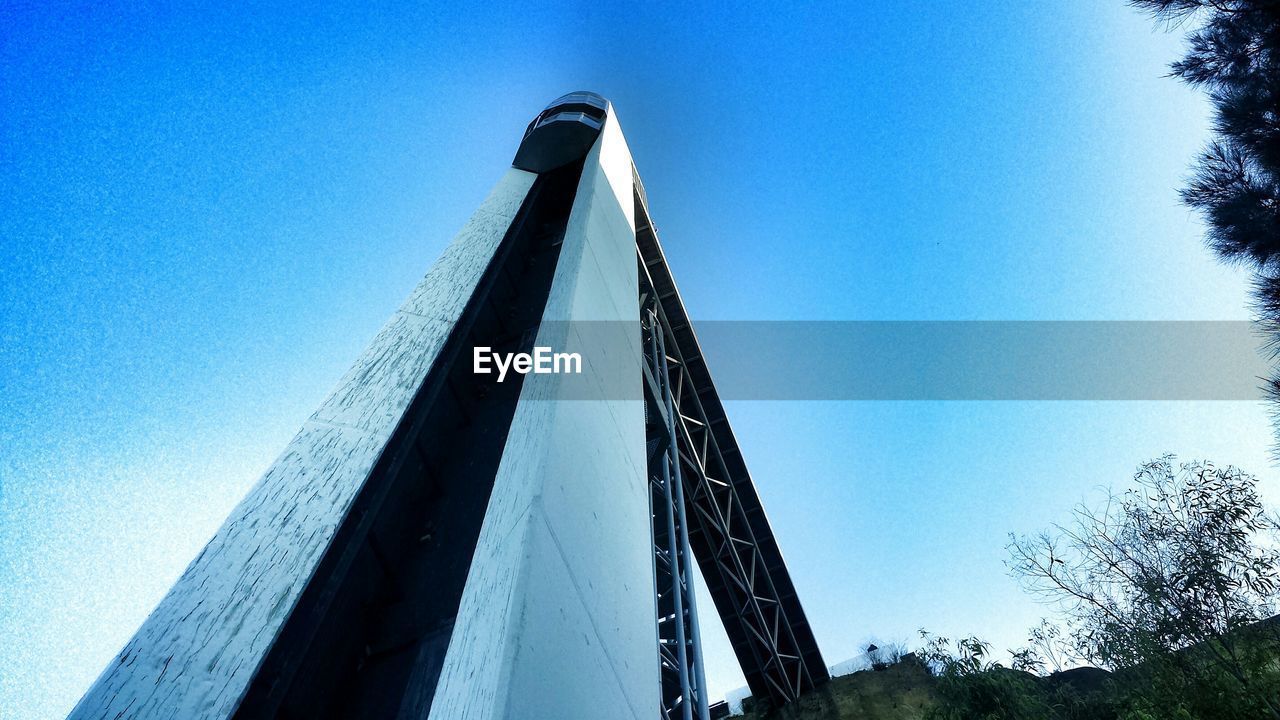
[[900, 692], [907, 691]]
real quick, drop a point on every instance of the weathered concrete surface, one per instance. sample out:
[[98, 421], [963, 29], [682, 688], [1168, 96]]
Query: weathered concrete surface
[[557, 618], [194, 656]]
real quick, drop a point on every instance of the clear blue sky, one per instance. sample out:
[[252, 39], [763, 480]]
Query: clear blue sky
[[206, 214]]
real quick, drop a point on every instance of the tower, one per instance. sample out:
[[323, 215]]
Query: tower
[[438, 543]]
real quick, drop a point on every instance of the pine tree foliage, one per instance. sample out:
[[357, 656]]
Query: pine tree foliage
[[1233, 54]]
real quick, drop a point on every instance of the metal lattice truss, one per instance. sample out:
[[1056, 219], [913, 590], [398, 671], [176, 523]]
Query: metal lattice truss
[[726, 528], [679, 646]]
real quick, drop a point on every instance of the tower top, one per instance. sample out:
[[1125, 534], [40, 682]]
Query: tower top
[[563, 132], [583, 97]]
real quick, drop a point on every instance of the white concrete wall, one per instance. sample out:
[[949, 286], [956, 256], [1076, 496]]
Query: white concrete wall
[[557, 618], [194, 656]]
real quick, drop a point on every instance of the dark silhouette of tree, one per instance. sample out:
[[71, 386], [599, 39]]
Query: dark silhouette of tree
[[1172, 582], [1233, 54]]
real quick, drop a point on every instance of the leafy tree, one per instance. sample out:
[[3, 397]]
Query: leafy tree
[[1233, 54], [1168, 582]]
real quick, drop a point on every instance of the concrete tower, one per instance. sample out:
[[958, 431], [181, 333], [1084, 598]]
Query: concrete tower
[[436, 543]]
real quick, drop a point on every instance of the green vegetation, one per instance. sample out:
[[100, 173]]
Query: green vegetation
[[1166, 594]]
